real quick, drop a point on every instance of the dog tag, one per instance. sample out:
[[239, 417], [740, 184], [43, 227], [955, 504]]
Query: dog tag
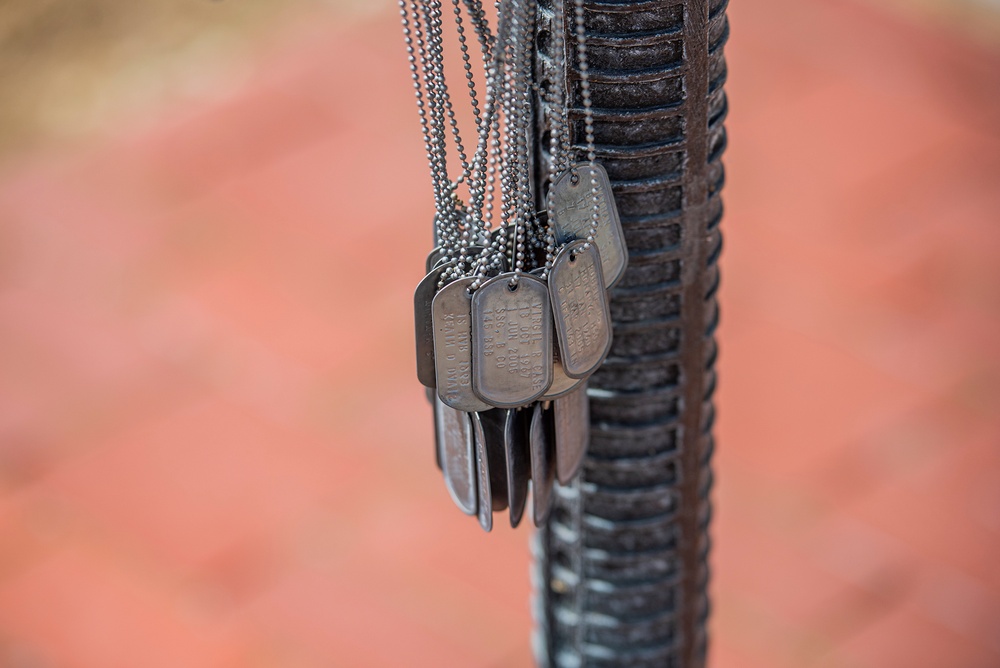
[[573, 207], [542, 464], [561, 383], [451, 314], [423, 323], [485, 509], [456, 447], [579, 309], [571, 415], [435, 256], [518, 461], [512, 341], [493, 422], [432, 400]]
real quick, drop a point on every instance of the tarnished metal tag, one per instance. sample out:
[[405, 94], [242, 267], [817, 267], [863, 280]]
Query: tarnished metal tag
[[573, 206], [456, 447], [580, 308], [485, 505], [561, 383], [542, 463], [432, 399], [518, 455], [433, 258], [451, 314], [493, 422], [512, 341], [572, 430], [423, 324]]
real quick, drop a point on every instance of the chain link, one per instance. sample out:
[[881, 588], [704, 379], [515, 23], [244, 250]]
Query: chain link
[[588, 115], [501, 166]]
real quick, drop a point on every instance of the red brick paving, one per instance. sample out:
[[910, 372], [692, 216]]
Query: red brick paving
[[213, 453]]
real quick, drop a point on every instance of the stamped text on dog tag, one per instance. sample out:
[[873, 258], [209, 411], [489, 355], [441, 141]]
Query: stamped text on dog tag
[[512, 341], [451, 313], [580, 309], [573, 194], [423, 324]]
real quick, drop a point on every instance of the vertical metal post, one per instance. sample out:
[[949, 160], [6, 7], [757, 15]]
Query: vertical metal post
[[621, 572], [693, 252]]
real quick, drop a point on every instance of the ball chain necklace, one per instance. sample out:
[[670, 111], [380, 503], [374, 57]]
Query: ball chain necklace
[[512, 316]]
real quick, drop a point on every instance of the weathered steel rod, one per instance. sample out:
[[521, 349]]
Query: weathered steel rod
[[621, 569]]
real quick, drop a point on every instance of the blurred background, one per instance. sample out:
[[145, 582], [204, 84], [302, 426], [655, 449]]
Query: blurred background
[[213, 451]]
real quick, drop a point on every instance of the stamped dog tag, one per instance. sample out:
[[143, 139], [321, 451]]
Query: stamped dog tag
[[572, 430], [493, 422], [451, 314], [432, 399], [573, 207], [485, 505], [456, 447], [423, 296], [518, 461], [561, 383], [542, 464], [580, 309], [435, 256], [512, 341]]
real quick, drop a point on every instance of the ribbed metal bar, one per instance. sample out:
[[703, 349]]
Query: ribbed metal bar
[[621, 570]]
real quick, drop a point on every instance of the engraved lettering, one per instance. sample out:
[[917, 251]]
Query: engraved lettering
[[453, 347], [573, 211], [580, 309], [518, 335]]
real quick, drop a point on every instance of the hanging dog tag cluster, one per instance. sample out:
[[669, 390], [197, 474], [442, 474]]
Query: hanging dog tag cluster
[[512, 316]]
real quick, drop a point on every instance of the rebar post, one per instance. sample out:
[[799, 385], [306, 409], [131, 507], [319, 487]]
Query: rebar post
[[621, 571]]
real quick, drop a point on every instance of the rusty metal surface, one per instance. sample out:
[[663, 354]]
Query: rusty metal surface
[[622, 566]]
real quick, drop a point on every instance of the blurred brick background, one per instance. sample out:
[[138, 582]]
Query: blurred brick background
[[212, 449]]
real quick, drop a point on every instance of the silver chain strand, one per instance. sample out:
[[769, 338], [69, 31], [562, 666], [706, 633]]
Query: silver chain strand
[[588, 115], [446, 222], [558, 123], [501, 163], [444, 116], [451, 216], [415, 35], [522, 27]]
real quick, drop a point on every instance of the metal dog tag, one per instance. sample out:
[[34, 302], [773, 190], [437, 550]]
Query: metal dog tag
[[542, 464], [485, 509], [561, 383], [493, 422], [512, 341], [451, 314], [518, 461], [456, 446], [432, 399], [423, 324], [573, 207], [436, 255], [579, 309], [572, 429]]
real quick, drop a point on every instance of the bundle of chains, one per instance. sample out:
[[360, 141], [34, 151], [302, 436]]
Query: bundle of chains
[[512, 316]]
